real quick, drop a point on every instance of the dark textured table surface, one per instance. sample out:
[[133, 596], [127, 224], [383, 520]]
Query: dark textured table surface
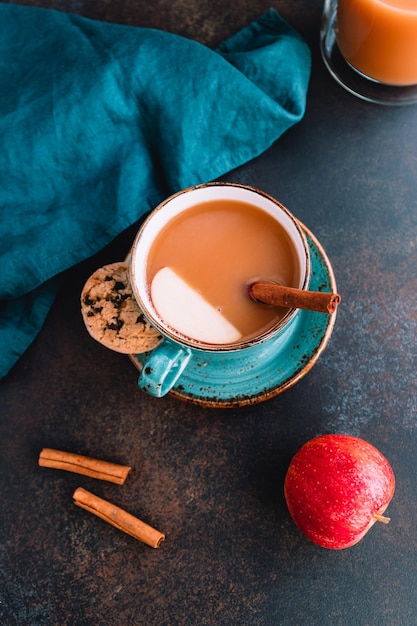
[[212, 479]]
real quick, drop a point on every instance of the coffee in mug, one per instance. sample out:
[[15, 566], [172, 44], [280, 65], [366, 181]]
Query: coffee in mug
[[191, 266]]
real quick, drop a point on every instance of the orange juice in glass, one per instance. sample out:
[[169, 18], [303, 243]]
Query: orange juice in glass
[[378, 38]]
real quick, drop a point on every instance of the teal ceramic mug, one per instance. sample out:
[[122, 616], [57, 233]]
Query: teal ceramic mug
[[184, 349]]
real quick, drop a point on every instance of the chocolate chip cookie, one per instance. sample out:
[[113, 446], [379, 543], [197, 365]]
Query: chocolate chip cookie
[[111, 313]]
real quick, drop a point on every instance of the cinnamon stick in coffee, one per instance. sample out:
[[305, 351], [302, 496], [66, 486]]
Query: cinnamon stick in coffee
[[118, 517], [95, 468], [290, 297]]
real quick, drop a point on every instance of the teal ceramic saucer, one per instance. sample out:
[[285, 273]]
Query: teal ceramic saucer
[[292, 357]]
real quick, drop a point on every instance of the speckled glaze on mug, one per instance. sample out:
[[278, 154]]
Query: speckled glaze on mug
[[163, 369]]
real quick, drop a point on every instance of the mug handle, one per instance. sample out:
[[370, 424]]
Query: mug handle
[[162, 368]]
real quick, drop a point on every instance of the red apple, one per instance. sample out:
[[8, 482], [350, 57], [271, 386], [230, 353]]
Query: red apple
[[336, 488]]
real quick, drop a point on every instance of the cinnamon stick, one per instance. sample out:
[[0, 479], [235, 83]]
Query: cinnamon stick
[[118, 517], [280, 295], [95, 468]]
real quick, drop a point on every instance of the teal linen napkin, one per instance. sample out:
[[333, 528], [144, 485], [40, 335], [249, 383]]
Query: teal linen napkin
[[99, 122]]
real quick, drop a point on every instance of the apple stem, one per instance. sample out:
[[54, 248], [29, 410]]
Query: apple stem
[[382, 518]]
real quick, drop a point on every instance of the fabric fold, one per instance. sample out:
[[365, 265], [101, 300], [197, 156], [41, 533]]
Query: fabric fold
[[99, 122]]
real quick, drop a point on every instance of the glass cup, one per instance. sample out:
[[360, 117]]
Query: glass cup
[[163, 367], [370, 48]]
